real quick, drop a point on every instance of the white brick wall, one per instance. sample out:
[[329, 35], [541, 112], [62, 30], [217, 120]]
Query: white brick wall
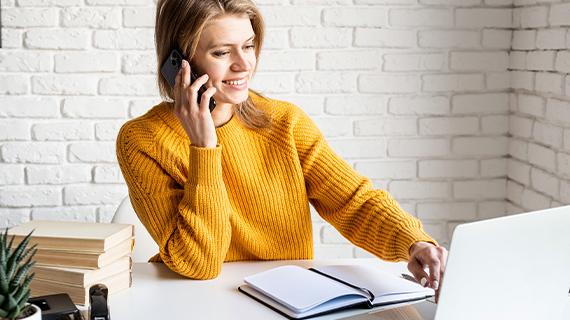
[[419, 95]]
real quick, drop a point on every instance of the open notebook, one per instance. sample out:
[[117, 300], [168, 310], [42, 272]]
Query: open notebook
[[300, 293]]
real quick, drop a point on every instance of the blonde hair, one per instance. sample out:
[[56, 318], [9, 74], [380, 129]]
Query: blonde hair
[[179, 24]]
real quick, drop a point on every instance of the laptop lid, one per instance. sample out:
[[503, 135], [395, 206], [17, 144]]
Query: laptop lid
[[513, 267]]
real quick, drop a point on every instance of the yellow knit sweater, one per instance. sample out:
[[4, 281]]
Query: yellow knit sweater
[[248, 199]]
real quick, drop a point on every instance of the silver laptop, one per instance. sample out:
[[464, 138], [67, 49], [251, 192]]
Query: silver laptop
[[514, 267]]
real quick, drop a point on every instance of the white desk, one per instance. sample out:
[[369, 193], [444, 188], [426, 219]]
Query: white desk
[[158, 293]]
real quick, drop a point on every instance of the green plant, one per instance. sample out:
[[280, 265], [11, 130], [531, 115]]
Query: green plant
[[14, 275]]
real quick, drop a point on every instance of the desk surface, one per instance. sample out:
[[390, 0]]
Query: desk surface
[[158, 293]]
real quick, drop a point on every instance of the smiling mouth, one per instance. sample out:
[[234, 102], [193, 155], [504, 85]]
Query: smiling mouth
[[234, 82]]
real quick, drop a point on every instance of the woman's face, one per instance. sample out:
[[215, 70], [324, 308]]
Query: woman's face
[[226, 52]]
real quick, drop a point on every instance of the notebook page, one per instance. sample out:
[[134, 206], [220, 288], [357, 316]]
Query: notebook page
[[300, 289]]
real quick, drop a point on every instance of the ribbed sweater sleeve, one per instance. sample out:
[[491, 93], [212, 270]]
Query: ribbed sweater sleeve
[[369, 218], [189, 221]]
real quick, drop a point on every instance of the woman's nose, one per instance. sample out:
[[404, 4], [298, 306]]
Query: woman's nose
[[240, 62]]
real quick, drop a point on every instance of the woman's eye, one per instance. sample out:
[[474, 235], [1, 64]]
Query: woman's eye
[[221, 53], [251, 46]]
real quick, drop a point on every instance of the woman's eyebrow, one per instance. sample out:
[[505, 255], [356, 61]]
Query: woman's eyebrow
[[227, 44]]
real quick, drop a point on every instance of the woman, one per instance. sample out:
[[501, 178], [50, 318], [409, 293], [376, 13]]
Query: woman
[[235, 184]]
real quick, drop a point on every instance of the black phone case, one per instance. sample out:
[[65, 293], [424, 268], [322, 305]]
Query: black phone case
[[170, 68]]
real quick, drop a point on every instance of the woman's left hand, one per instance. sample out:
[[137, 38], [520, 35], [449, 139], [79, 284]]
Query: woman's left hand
[[425, 255]]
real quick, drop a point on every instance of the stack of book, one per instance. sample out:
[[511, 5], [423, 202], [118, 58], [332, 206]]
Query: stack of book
[[73, 256]]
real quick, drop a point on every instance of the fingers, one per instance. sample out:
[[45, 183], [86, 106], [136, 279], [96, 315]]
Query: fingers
[[192, 90], [205, 99], [417, 269]]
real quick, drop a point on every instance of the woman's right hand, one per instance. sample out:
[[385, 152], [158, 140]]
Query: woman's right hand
[[196, 119]]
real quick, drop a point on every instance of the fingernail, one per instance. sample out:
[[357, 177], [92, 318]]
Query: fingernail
[[435, 285], [423, 282]]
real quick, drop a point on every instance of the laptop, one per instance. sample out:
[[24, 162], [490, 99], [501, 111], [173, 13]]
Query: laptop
[[513, 267]]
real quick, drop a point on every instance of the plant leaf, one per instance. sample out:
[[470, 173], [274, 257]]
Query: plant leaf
[[4, 284], [14, 258], [3, 313]]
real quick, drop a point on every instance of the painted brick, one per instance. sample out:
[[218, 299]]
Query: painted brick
[[304, 37], [419, 190], [524, 39], [544, 182], [60, 174], [56, 39], [108, 130], [458, 3], [491, 209], [497, 39], [385, 38], [337, 251], [326, 82], [347, 60], [75, 213], [329, 235], [359, 148], [13, 130], [517, 60], [49, 3], [540, 60], [87, 107], [414, 62], [479, 61], [105, 213], [94, 194], [519, 171], [418, 147], [518, 149], [276, 38], [549, 82], [498, 81], [12, 38], [141, 106], [28, 107], [370, 16], [566, 139], [64, 85], [62, 131], [394, 83], [124, 39], [389, 169], [514, 192], [563, 167], [29, 17], [139, 17], [32, 152], [449, 126], [559, 14], [481, 189], [531, 105], [452, 82], [13, 84], [447, 211], [486, 103], [558, 110], [334, 127], [419, 105], [281, 16], [421, 18], [449, 39], [522, 80], [274, 82], [520, 127], [12, 217], [92, 152], [551, 39], [547, 134], [22, 61], [480, 146], [564, 191], [385, 127], [355, 105], [482, 17], [542, 157], [129, 85], [495, 124], [97, 18], [562, 62], [448, 168], [107, 174], [86, 62], [119, 2], [494, 167], [534, 17], [311, 104], [278, 60], [11, 174], [532, 200], [18, 196]]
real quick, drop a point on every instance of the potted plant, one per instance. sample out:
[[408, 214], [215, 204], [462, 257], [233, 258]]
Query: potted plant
[[15, 279]]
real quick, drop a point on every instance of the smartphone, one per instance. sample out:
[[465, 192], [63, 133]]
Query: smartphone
[[169, 70]]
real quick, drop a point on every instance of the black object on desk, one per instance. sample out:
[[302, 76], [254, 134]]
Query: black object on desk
[[57, 307], [98, 307]]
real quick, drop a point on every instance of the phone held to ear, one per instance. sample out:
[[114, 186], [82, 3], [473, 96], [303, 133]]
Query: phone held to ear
[[169, 70]]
